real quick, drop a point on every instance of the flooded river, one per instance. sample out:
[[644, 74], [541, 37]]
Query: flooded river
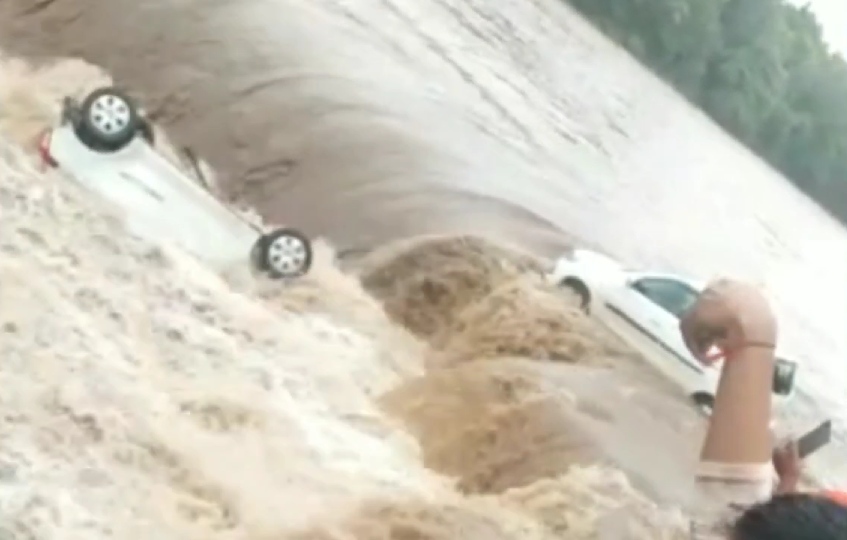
[[371, 120]]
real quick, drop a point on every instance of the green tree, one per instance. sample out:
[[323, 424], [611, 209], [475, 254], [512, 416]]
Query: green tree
[[760, 68]]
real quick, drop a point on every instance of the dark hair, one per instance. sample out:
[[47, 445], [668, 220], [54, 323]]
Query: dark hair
[[795, 516]]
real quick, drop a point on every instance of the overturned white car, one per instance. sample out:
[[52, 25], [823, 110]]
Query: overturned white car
[[106, 144]]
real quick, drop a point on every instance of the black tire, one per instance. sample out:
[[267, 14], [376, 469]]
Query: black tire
[[784, 374], [108, 120], [704, 401], [580, 290], [282, 254]]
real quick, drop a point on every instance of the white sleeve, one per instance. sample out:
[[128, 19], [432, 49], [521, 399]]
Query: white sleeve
[[723, 492]]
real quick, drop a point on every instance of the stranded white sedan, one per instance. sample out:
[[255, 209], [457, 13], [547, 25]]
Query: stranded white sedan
[[641, 304], [106, 144]]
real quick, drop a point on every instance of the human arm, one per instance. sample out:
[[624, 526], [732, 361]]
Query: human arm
[[735, 459]]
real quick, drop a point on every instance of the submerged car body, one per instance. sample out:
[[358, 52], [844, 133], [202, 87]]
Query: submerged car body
[[645, 304]]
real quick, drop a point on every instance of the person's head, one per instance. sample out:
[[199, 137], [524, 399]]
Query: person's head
[[795, 516]]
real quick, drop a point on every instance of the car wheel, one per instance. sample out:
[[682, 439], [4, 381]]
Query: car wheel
[[283, 253], [704, 401], [784, 373], [579, 290], [108, 120]]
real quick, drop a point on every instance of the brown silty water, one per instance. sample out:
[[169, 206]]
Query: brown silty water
[[369, 122]]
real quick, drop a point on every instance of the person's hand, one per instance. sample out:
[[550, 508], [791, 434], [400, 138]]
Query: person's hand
[[729, 315], [788, 466]]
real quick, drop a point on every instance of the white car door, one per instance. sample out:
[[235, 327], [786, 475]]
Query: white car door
[[159, 202], [654, 304]]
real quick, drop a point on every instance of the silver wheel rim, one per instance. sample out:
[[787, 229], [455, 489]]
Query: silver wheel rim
[[110, 114], [287, 255]]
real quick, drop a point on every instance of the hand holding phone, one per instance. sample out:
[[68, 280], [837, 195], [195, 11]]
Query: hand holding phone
[[788, 458]]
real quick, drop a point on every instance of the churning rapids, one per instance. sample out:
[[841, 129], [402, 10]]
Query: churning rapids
[[436, 389]]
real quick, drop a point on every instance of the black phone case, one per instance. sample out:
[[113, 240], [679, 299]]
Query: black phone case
[[812, 441]]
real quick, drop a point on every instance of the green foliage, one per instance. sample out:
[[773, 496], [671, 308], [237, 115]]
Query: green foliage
[[760, 68]]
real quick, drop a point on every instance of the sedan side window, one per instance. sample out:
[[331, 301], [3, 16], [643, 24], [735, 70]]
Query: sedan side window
[[671, 295]]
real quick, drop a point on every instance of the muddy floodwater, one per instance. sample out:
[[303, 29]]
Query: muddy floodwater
[[372, 120]]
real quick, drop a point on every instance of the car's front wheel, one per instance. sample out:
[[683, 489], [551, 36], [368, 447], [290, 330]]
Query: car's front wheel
[[108, 120], [704, 401], [282, 253], [579, 290]]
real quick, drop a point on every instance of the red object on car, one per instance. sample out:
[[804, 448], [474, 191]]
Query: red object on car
[[44, 148]]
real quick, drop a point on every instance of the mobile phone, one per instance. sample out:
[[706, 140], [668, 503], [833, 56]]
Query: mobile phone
[[812, 441]]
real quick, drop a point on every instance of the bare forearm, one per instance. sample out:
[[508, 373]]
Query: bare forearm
[[738, 431]]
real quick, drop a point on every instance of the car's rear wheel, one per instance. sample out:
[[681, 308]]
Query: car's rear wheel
[[108, 120], [783, 377], [704, 401], [283, 253], [579, 291]]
